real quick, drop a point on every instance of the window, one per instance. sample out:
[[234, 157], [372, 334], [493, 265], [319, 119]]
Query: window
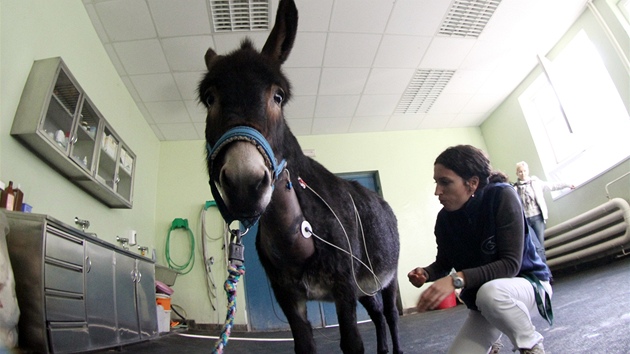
[[577, 118]]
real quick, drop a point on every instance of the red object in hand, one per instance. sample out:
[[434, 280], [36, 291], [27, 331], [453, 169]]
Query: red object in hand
[[448, 302]]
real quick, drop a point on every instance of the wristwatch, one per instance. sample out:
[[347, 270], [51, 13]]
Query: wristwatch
[[458, 282]]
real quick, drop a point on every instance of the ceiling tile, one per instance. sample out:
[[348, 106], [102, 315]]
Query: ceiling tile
[[466, 81], [389, 52], [336, 106], [196, 110], [131, 88], [228, 42], [446, 53], [126, 20], [305, 81], [180, 18], [182, 131], [300, 107], [181, 52], [404, 121], [360, 16], [331, 125], [384, 81], [437, 121], [351, 50], [450, 103], [187, 84], [158, 132], [308, 51], [114, 58], [343, 81], [201, 129], [168, 112], [417, 17], [142, 57], [314, 15], [156, 87], [300, 126], [377, 105], [96, 22]]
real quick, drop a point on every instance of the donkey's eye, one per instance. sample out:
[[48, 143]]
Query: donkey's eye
[[278, 97], [209, 99]]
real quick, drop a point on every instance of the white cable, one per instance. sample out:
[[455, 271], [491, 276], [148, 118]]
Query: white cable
[[352, 256]]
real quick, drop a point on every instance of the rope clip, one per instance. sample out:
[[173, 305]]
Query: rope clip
[[236, 253]]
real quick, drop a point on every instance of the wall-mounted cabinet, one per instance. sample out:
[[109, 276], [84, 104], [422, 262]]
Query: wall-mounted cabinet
[[58, 121]]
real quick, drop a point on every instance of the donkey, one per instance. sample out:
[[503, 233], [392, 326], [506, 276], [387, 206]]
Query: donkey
[[319, 237]]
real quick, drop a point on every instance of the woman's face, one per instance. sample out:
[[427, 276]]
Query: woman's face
[[452, 190], [522, 173]]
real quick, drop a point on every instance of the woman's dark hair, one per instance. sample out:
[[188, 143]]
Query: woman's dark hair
[[466, 161], [499, 177]]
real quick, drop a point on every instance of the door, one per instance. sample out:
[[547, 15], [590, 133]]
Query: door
[[145, 297], [126, 310], [99, 295], [264, 313]]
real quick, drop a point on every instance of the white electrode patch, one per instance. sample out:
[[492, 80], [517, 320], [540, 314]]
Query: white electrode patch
[[307, 230]]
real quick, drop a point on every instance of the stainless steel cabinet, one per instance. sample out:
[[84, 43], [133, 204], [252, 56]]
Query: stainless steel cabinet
[[77, 293], [59, 122]]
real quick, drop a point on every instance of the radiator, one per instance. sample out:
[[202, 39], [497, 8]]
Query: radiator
[[598, 233]]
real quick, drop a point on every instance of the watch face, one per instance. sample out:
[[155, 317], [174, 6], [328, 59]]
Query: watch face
[[458, 282]]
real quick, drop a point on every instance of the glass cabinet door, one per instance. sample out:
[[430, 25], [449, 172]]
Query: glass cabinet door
[[108, 154], [57, 124], [83, 140], [125, 173]]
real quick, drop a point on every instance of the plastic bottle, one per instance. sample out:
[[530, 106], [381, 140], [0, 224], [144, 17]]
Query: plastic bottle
[[8, 198], [19, 198]]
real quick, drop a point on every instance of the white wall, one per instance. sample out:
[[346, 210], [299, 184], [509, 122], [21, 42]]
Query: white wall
[[38, 29]]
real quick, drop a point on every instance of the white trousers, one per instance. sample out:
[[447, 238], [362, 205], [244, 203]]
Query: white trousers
[[505, 306]]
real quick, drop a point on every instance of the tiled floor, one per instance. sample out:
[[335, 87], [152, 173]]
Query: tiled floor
[[591, 307]]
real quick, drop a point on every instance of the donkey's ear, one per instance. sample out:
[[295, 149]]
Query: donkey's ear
[[210, 54], [282, 36]]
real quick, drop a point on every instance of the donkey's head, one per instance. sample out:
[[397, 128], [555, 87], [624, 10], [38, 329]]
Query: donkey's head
[[244, 93]]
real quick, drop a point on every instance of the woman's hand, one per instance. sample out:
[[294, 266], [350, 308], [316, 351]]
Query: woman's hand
[[435, 294], [418, 277]]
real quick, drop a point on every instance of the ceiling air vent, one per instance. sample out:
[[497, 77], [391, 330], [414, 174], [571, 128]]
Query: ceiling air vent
[[425, 87], [467, 18], [240, 15]]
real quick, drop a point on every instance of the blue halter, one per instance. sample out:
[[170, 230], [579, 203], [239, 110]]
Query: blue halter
[[249, 134]]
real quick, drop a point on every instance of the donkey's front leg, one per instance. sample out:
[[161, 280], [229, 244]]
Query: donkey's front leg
[[295, 311], [346, 306]]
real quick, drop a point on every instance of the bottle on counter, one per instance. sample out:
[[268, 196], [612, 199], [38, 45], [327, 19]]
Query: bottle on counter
[[19, 198], [7, 200]]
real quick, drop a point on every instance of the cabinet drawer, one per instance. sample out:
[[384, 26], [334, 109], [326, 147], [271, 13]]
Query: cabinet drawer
[[58, 277], [68, 337], [62, 308], [64, 247]]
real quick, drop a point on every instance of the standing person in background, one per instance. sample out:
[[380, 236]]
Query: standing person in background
[[483, 240], [530, 190]]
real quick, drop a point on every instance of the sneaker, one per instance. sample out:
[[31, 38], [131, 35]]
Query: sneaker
[[496, 347], [537, 349]]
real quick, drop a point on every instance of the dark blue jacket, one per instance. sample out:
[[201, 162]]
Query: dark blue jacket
[[488, 238]]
